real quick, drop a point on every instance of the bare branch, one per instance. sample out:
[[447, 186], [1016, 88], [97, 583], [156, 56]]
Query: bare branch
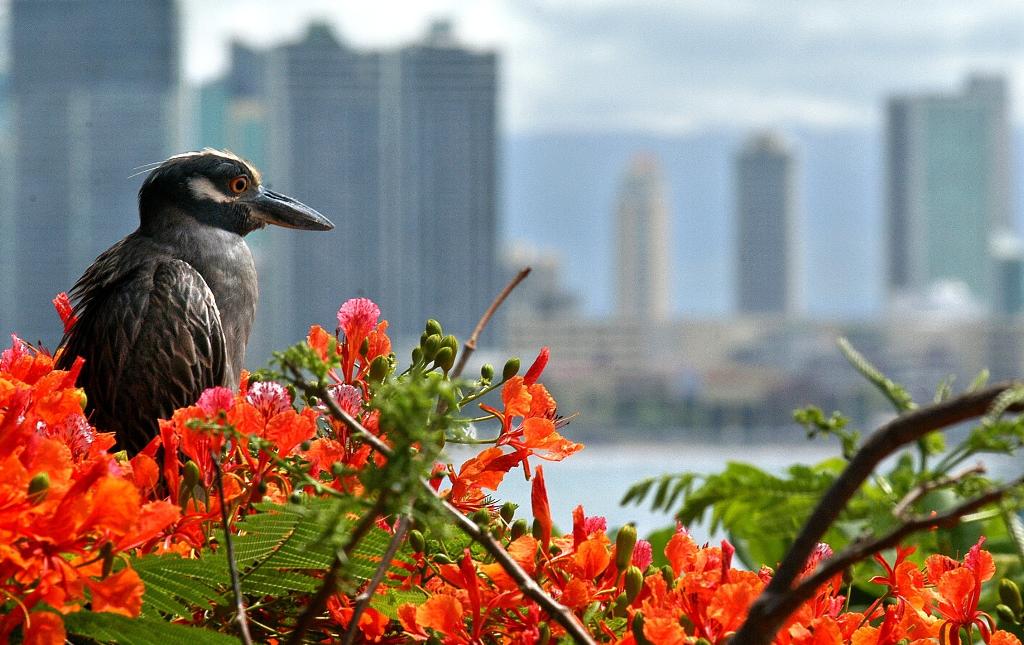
[[363, 600], [330, 583], [558, 612], [916, 493], [768, 613], [229, 547], [470, 346], [863, 549]]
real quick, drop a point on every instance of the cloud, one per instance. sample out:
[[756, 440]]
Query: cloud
[[668, 66]]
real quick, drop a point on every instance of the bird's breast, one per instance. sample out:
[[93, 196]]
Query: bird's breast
[[226, 264]]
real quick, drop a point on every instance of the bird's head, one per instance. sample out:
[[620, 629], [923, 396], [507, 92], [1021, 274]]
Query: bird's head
[[219, 189]]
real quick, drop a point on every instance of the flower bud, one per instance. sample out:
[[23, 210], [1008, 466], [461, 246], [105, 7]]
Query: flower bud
[[481, 517], [296, 497], [545, 634], [634, 583], [337, 469], [669, 575], [637, 627], [486, 372], [364, 347], [1009, 593], [1006, 615], [305, 446], [433, 327], [441, 558], [451, 341], [190, 477], [379, 369], [624, 543], [417, 541], [519, 528], [82, 398], [445, 358], [508, 511], [430, 347], [511, 369], [417, 355], [537, 530], [38, 487], [619, 608]]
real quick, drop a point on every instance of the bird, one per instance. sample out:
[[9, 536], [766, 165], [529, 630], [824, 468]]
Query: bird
[[165, 313]]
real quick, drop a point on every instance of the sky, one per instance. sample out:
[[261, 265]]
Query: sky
[[667, 67]]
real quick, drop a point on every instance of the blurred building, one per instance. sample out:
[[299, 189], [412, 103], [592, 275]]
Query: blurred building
[[438, 185], [642, 261], [765, 214], [94, 95], [543, 295], [948, 187], [397, 148]]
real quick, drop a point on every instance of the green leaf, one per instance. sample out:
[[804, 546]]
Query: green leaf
[[111, 628]]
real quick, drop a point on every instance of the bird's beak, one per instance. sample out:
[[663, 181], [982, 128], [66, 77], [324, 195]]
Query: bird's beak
[[281, 210]]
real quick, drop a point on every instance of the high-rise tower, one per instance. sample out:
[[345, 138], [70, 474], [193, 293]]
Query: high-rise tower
[[642, 263], [765, 203], [439, 182], [948, 187], [94, 90]]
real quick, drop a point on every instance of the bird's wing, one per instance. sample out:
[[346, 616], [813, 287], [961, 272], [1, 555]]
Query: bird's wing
[[152, 342]]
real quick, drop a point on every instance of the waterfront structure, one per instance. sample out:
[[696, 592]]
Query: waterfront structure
[[642, 259], [765, 219], [93, 95], [948, 188]]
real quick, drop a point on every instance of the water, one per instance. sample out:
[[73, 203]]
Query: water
[[599, 475]]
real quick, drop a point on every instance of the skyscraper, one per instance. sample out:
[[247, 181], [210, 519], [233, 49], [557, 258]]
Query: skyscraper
[[438, 183], [323, 130], [642, 262], [948, 187], [765, 204], [94, 90], [399, 149]]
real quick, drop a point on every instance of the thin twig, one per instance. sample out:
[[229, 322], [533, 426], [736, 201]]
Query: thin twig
[[229, 546], [557, 611], [470, 345], [765, 617], [863, 549], [527, 585], [918, 492], [364, 598], [330, 584]]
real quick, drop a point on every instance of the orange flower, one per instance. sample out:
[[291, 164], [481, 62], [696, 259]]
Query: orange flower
[[120, 593], [45, 628]]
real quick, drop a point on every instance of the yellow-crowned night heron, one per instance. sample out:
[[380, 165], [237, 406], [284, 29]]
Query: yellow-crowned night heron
[[166, 312]]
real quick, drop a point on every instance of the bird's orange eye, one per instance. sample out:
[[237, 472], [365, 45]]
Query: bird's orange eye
[[239, 184]]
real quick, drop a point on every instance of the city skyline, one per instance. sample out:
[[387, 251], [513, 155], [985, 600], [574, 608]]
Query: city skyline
[[766, 243], [948, 189], [399, 146], [667, 68]]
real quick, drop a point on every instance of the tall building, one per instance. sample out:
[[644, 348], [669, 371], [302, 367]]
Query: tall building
[[94, 92], [398, 149], [642, 261], [948, 187], [323, 131], [438, 183], [765, 217]]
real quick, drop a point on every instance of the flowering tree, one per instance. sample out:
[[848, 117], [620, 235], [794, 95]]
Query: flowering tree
[[315, 504]]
